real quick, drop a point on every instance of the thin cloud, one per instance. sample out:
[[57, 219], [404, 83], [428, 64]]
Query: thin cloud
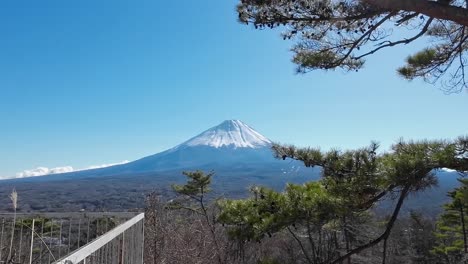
[[41, 171], [106, 165]]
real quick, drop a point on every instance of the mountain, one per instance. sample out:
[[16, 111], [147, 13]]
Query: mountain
[[231, 134], [231, 145], [239, 155]]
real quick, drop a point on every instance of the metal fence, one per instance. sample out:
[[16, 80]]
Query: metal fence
[[71, 238]]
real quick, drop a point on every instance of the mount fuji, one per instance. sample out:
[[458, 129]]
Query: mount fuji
[[238, 155], [229, 146]]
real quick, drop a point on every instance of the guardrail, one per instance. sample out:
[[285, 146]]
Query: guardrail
[[123, 244], [84, 237]]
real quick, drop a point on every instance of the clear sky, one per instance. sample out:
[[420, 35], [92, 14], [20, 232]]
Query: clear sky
[[92, 82]]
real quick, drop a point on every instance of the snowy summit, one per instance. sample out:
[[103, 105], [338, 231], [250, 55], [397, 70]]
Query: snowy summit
[[230, 133]]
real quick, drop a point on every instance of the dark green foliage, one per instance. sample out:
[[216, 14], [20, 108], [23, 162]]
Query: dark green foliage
[[333, 213], [451, 234], [270, 211], [197, 185], [342, 34], [195, 189]]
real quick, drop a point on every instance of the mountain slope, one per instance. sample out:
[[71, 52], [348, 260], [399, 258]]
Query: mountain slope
[[239, 156], [230, 133], [229, 146], [230, 143]]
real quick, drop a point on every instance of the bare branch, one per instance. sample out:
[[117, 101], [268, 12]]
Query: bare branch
[[403, 41]]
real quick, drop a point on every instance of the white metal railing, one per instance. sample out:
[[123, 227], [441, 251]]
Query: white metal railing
[[122, 245]]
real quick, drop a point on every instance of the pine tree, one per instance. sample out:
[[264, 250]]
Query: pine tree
[[333, 34], [451, 230], [195, 190], [330, 218]]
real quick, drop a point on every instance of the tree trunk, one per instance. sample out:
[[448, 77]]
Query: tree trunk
[[385, 234], [433, 9], [384, 253], [462, 218]]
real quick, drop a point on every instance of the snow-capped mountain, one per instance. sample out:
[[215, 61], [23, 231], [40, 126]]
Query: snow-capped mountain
[[230, 133], [230, 146], [231, 143], [239, 156]]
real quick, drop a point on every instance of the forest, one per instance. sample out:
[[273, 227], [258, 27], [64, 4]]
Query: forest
[[332, 220]]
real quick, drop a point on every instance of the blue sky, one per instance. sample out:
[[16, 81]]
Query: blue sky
[[93, 82]]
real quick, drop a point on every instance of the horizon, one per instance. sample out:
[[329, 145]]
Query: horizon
[[92, 84], [200, 140]]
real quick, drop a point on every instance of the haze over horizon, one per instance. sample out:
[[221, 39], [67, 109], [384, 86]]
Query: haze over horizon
[[87, 83]]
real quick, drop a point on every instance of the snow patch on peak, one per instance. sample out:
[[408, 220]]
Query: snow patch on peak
[[230, 133]]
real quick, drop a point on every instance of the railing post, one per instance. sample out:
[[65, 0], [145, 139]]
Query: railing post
[[122, 251], [20, 242], [32, 242], [1, 238], [60, 239], [143, 241]]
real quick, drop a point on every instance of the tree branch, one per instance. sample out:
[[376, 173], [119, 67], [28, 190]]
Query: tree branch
[[366, 34], [300, 244], [433, 9], [385, 234], [403, 41]]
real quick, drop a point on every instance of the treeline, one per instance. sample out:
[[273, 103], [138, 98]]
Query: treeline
[[326, 221], [174, 236]]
